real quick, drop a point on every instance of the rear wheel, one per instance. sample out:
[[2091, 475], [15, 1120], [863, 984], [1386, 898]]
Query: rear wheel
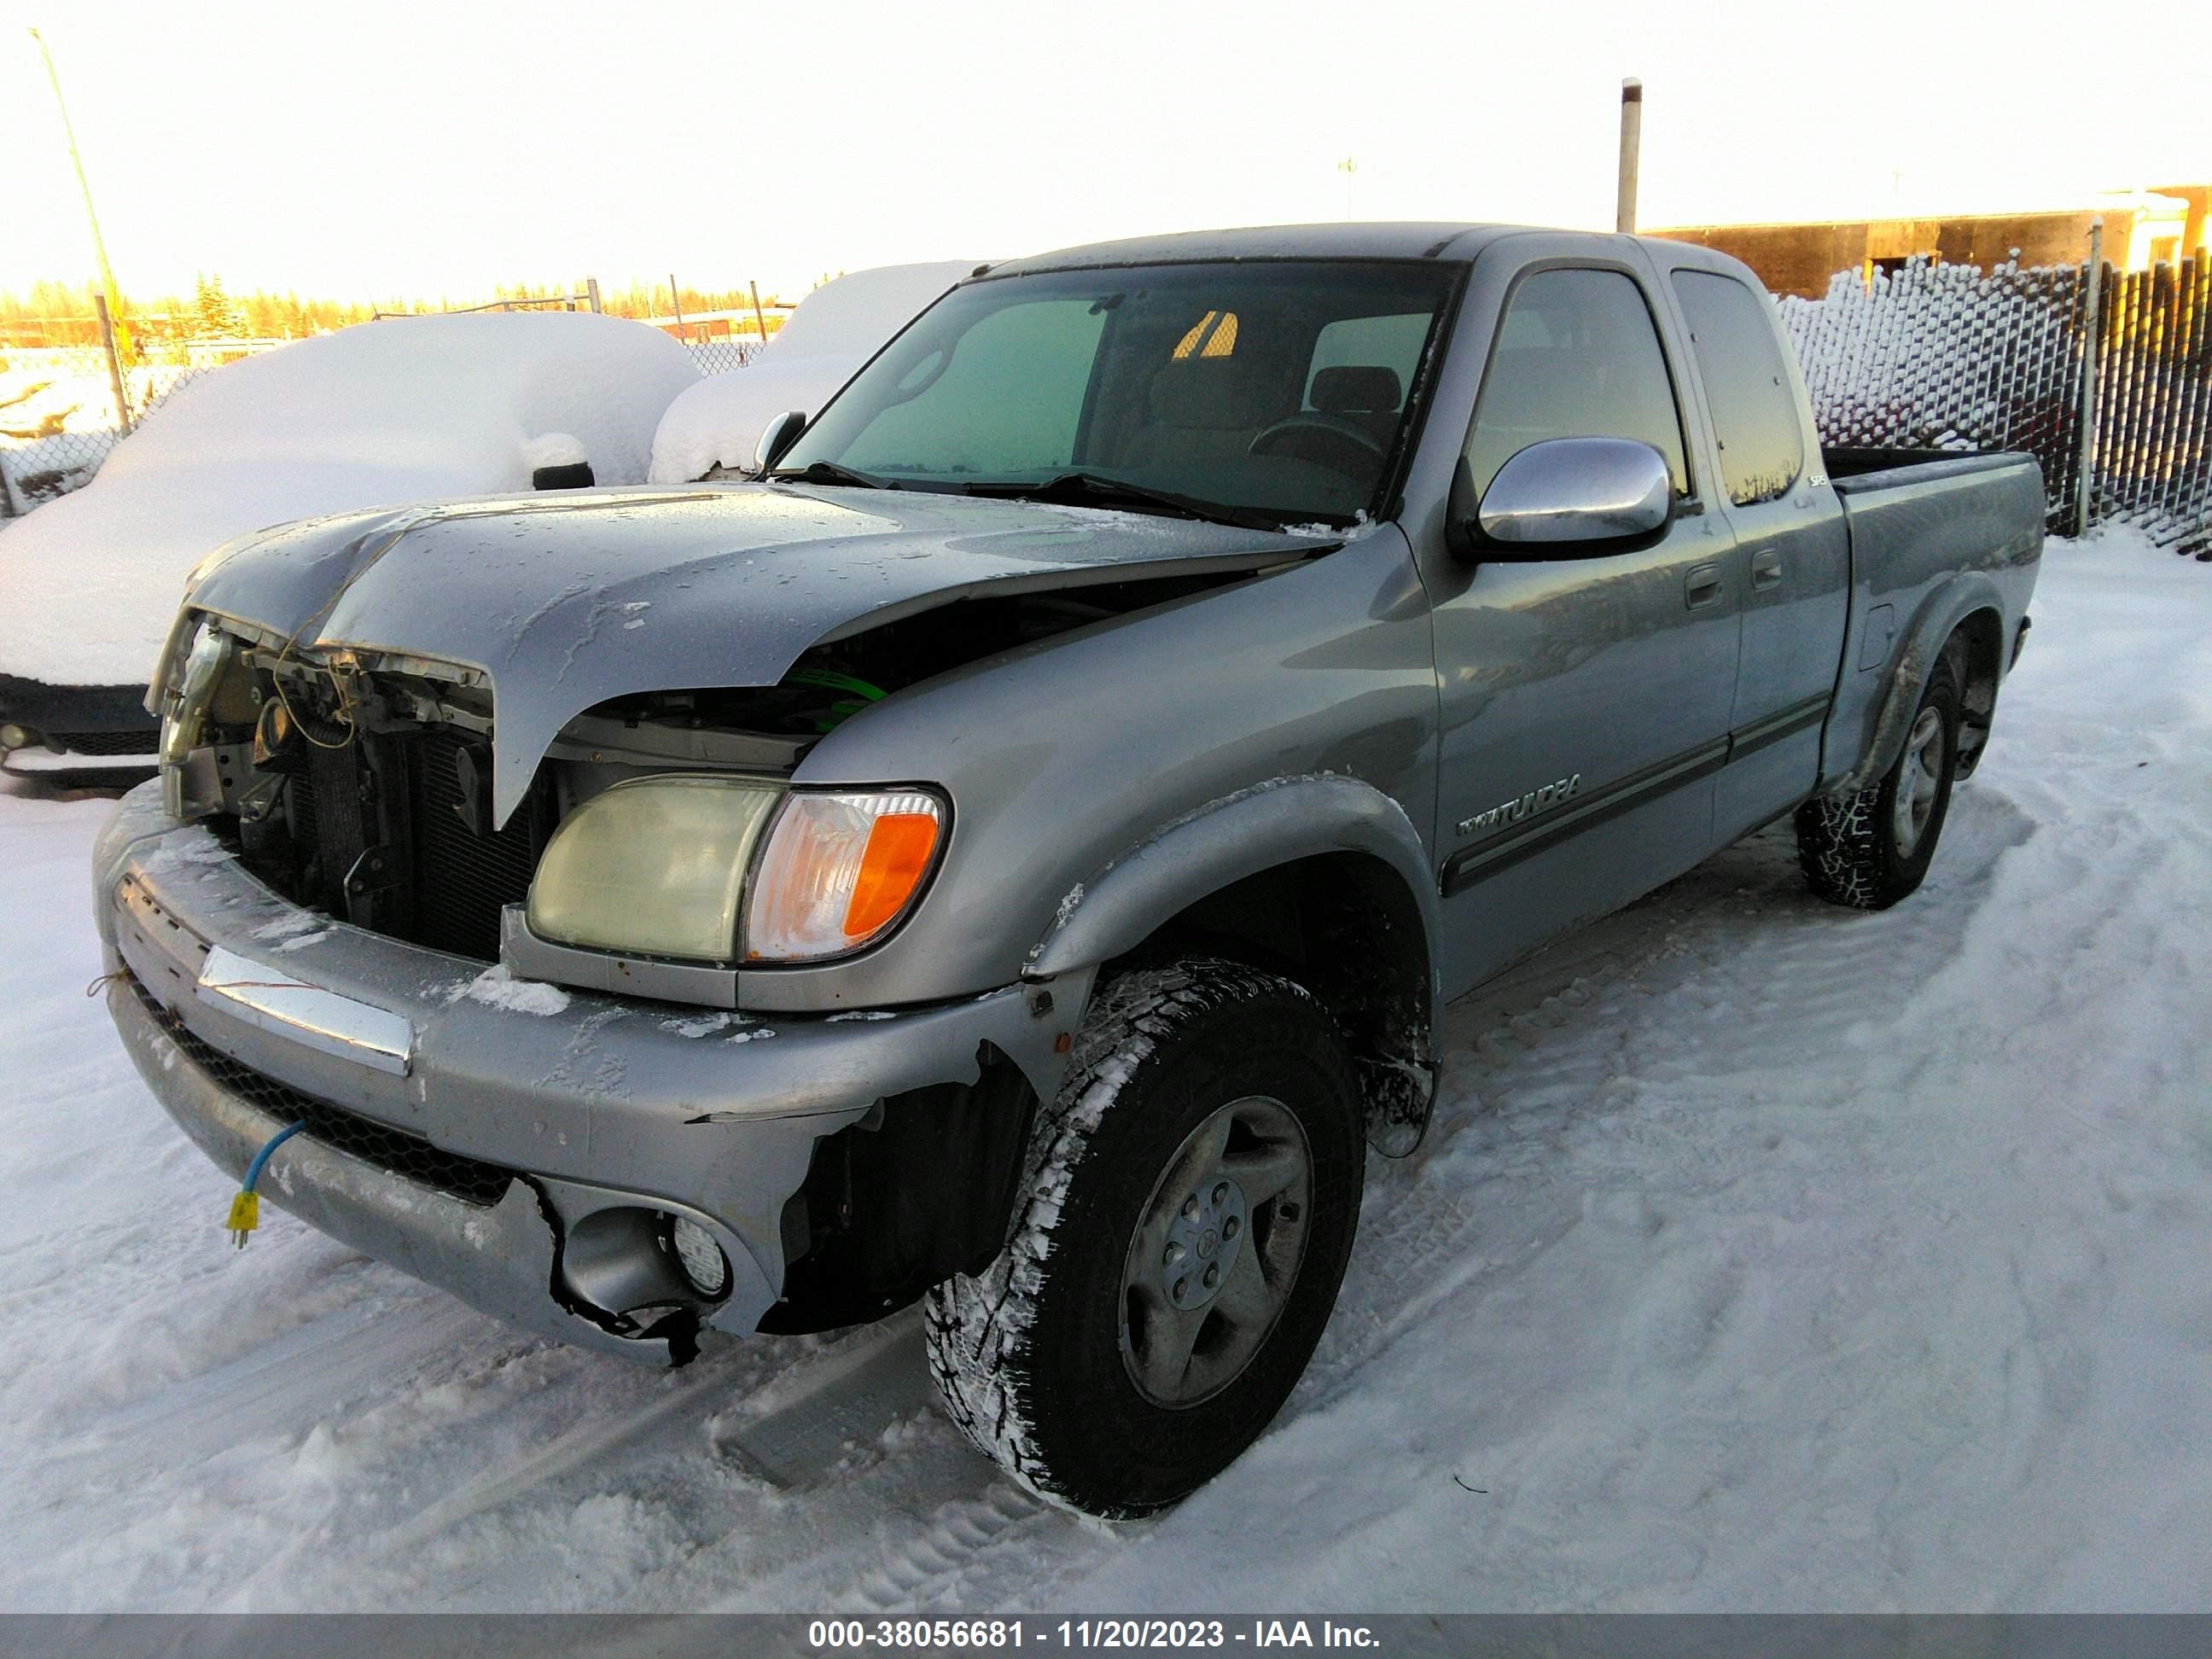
[[1191, 1206], [1871, 846]]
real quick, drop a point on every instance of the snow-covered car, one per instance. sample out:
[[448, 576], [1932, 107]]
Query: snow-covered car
[[408, 409], [835, 330]]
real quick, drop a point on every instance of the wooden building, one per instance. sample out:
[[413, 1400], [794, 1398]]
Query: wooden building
[[2142, 228]]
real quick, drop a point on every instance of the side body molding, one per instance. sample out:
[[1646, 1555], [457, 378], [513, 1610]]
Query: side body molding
[[1388, 1003]]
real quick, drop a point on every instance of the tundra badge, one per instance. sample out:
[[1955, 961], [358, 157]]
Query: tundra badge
[[1513, 811]]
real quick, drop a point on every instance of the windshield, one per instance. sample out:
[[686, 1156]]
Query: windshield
[[1279, 388]]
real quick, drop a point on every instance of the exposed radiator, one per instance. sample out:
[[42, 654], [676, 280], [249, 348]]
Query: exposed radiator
[[462, 880], [457, 879]]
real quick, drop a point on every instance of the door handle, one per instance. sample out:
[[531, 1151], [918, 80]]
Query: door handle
[[1766, 569], [1702, 587]]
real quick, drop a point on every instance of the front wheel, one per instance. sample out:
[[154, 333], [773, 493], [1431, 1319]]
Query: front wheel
[[1191, 1206], [1871, 847]]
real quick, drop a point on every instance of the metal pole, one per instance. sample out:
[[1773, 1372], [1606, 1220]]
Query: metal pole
[[759, 321], [2084, 471], [15, 506], [592, 291], [114, 361], [99, 246], [676, 298], [1632, 141]]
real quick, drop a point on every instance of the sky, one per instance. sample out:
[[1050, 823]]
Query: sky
[[424, 149]]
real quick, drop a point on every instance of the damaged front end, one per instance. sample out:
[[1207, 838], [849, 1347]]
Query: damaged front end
[[531, 844], [360, 783]]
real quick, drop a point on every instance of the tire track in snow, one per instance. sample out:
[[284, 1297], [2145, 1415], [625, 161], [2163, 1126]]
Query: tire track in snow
[[1588, 1027]]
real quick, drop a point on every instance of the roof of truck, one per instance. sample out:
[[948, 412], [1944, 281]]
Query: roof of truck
[[1414, 240]]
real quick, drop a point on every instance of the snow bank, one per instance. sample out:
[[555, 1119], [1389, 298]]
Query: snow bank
[[836, 328], [408, 409]]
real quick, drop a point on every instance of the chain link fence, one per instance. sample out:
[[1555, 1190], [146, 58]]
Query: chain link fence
[[2154, 406], [58, 416], [1954, 357], [722, 353], [58, 419]]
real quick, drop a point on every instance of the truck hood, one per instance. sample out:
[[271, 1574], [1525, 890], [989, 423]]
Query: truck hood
[[564, 602]]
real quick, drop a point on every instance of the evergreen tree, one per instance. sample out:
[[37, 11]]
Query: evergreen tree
[[215, 314]]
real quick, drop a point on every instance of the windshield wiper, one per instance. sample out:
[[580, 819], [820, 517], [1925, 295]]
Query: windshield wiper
[[1097, 489], [828, 472]]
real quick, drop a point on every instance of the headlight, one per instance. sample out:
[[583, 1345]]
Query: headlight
[[658, 867], [654, 866], [184, 716], [838, 871]]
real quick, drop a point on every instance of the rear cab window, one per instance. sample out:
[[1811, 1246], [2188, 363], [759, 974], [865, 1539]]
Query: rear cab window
[[1754, 406]]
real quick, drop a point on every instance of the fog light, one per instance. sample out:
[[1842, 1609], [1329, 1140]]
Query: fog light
[[14, 737], [701, 1257]]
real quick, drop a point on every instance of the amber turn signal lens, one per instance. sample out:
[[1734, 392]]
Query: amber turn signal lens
[[897, 857], [839, 870]]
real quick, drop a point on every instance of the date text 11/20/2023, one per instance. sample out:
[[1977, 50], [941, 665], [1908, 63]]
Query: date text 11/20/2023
[[831, 1634]]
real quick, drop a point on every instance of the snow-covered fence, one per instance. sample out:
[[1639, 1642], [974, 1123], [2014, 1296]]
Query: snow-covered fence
[[2153, 467], [1944, 357], [1947, 357], [57, 415]]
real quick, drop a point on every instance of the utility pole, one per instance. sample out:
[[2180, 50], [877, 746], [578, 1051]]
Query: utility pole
[[1632, 141], [99, 246], [676, 298], [2093, 317], [1347, 166], [114, 362]]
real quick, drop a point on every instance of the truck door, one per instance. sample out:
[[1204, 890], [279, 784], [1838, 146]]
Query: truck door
[[1792, 549], [1584, 700]]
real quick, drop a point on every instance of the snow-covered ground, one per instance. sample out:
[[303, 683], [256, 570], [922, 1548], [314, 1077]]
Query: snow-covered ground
[[1763, 1256]]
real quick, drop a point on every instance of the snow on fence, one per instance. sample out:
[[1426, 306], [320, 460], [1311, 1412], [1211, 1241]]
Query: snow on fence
[[1946, 356], [2154, 465], [57, 416]]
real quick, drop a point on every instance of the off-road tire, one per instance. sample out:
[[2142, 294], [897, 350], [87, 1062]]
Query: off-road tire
[[1848, 845], [1028, 1356]]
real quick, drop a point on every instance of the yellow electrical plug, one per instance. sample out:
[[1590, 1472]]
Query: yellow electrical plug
[[246, 1208]]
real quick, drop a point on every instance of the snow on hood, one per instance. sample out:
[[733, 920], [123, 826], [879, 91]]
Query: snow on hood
[[835, 330], [411, 408], [565, 601]]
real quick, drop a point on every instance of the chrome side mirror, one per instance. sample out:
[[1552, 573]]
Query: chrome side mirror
[[778, 435], [1565, 491]]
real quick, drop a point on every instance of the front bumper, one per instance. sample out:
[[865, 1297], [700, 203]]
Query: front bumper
[[101, 722], [427, 1080]]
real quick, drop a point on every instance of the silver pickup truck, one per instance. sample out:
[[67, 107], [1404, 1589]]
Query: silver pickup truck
[[1013, 855]]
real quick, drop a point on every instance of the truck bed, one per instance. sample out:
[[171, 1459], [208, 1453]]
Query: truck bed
[[1925, 526]]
